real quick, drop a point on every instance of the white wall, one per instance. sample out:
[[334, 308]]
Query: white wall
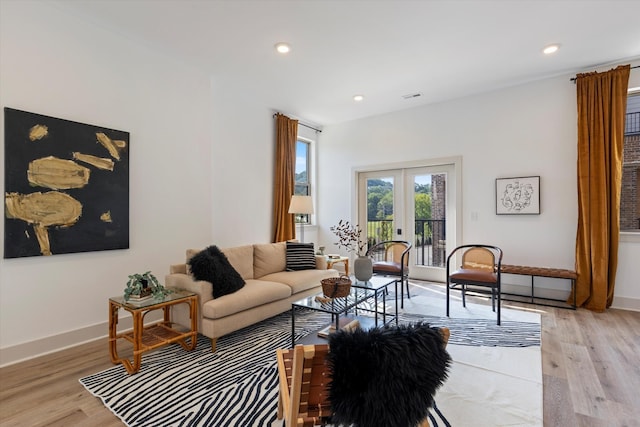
[[59, 65], [499, 134], [520, 131], [243, 169]]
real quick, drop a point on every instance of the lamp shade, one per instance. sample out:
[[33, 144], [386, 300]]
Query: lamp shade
[[301, 205]]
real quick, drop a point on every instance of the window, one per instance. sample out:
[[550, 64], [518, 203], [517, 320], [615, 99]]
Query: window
[[630, 195], [302, 185]]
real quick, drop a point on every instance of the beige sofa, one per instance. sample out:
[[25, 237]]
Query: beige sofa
[[269, 289]]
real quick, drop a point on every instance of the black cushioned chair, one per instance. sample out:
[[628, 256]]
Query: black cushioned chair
[[391, 258], [480, 267]]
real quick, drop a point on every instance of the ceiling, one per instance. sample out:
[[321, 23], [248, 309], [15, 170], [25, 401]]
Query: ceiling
[[382, 49]]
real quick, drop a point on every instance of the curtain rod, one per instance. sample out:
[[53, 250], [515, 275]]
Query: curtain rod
[[301, 124], [573, 79]]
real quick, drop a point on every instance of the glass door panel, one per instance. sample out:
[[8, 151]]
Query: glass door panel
[[427, 211], [380, 209], [414, 204]]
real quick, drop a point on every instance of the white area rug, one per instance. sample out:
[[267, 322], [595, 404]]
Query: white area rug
[[488, 386]]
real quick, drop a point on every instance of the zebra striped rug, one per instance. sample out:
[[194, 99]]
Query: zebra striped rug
[[237, 385]]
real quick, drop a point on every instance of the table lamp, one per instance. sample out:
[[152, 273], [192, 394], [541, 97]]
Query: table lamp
[[301, 205]]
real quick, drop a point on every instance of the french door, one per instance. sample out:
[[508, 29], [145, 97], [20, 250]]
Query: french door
[[417, 204]]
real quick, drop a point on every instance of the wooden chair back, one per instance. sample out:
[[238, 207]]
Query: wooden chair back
[[395, 252], [479, 259], [303, 378]]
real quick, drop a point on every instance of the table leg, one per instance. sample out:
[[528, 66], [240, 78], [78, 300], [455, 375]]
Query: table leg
[[375, 307], [113, 332], [194, 322], [396, 298], [355, 309], [113, 340], [138, 331], [293, 327], [384, 305], [532, 291], [193, 313]]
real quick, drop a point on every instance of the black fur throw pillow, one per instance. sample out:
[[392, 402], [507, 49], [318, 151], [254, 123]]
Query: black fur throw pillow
[[213, 266], [385, 376]]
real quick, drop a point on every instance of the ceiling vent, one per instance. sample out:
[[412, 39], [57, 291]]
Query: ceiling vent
[[412, 95]]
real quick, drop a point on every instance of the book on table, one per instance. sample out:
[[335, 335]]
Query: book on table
[[135, 299], [344, 323]]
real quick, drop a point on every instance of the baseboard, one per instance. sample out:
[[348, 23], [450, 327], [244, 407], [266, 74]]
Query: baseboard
[[626, 303], [40, 347]]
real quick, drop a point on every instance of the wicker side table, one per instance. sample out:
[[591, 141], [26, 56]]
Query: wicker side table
[[149, 337]]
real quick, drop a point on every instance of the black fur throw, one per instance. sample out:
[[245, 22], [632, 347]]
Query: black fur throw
[[386, 376], [213, 266]]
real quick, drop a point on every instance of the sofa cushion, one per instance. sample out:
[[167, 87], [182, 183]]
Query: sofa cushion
[[214, 267], [269, 258], [302, 280], [255, 293], [192, 252], [300, 256], [241, 257]]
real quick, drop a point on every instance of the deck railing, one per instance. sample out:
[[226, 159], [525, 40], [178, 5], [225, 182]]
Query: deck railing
[[429, 247]]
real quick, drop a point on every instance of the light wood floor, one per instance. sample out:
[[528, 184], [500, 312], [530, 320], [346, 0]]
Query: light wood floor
[[591, 375]]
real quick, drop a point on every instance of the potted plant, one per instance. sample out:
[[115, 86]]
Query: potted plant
[[142, 285], [350, 238]]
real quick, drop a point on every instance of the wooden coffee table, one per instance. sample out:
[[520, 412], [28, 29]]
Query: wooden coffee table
[[149, 337]]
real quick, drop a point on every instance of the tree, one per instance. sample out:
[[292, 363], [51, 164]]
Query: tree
[[385, 206], [423, 206], [422, 188], [377, 189]]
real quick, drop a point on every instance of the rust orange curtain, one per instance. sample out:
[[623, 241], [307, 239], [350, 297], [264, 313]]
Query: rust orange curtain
[[601, 102], [286, 137]]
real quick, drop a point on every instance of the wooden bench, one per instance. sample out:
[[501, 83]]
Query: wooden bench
[[555, 273]]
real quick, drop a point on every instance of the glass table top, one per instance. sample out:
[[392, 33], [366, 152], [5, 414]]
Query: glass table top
[[375, 283], [175, 294], [360, 291]]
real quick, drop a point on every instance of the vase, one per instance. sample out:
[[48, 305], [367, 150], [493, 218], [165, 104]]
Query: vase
[[363, 268]]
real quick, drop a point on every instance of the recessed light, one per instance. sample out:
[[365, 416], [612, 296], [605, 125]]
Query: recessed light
[[283, 47], [552, 48], [358, 98]]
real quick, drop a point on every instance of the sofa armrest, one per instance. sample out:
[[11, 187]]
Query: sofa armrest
[[203, 288], [178, 268], [321, 262]]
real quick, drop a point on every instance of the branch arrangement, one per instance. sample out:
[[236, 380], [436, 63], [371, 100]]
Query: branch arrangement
[[349, 237]]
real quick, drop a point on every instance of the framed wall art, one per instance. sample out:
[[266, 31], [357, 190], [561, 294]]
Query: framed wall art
[[66, 186], [518, 196]]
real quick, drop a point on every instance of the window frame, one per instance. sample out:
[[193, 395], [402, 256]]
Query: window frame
[[305, 219], [630, 235]]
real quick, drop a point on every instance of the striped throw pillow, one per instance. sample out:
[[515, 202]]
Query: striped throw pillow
[[300, 256]]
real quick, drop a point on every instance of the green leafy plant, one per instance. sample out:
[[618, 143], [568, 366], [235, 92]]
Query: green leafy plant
[[349, 237], [139, 284]]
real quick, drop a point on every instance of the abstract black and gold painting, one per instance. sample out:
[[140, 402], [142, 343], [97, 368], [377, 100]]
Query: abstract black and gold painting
[[66, 186]]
